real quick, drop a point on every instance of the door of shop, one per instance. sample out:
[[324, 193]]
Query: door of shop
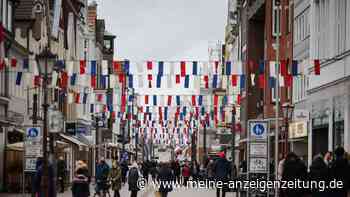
[[319, 141]]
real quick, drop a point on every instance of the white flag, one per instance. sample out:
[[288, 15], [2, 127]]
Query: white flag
[[70, 67], [70, 98], [272, 69], [281, 80], [54, 79], [104, 67], [252, 78]]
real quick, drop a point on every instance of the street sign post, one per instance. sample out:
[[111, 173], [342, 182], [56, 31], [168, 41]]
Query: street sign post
[[32, 147], [258, 151]]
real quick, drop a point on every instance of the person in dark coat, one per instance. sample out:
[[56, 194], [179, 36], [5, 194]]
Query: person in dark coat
[[177, 171], [293, 169], [61, 173], [165, 176], [319, 171], [222, 171], [145, 170], [339, 171], [125, 168], [80, 186], [37, 183], [133, 177]]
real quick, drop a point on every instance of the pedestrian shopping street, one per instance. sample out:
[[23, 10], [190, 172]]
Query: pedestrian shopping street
[[249, 96]]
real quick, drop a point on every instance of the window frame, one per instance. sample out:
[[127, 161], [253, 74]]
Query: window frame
[[274, 25]]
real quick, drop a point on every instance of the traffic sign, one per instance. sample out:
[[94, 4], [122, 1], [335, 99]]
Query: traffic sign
[[258, 165], [33, 134], [30, 164], [258, 149], [258, 130]]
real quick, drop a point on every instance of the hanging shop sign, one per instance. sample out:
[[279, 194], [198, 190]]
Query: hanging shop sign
[[297, 129]]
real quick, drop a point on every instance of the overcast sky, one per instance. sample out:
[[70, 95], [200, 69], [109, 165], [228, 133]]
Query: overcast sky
[[164, 29]]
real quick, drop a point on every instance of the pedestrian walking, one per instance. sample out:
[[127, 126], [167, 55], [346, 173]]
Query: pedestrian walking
[[177, 171], [166, 178], [293, 169], [37, 185], [102, 175], [80, 185], [210, 169], [125, 168], [319, 171], [186, 173], [116, 177], [153, 170], [222, 172], [339, 171], [133, 177], [61, 173], [145, 170], [195, 170]]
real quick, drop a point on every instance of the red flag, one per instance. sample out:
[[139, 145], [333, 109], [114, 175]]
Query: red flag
[[93, 81], [146, 99], [177, 79], [113, 114], [262, 81], [121, 78], [99, 97], [169, 100], [183, 68], [2, 64], [64, 80], [149, 77], [13, 62], [216, 99], [2, 33], [193, 100], [149, 65], [77, 98], [82, 66], [283, 68], [123, 101], [206, 81], [288, 80], [234, 80], [238, 99], [37, 81], [117, 66], [317, 67]]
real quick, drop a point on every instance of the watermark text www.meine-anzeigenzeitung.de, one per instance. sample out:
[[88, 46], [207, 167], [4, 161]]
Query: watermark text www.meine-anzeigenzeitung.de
[[261, 185]]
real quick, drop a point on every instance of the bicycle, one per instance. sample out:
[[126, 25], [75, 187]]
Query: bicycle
[[105, 186]]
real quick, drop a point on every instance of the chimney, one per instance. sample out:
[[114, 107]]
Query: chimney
[[92, 16]]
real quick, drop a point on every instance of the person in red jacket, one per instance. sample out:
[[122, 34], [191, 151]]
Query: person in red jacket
[[186, 173]]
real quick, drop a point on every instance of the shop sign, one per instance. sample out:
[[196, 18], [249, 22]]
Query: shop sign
[[297, 129], [302, 115]]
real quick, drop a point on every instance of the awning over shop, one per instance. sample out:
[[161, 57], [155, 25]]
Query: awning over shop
[[73, 140], [15, 146]]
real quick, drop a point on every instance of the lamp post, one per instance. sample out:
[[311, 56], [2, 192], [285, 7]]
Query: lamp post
[[233, 131], [287, 113]]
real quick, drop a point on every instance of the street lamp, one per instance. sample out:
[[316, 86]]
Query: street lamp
[[287, 109], [43, 60]]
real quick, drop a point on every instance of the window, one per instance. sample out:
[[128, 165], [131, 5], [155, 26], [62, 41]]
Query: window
[[301, 26], [276, 23], [340, 26], [107, 44], [6, 14]]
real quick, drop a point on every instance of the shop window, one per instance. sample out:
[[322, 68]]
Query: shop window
[[338, 121]]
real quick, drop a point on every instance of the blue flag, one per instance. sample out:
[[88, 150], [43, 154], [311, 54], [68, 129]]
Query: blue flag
[[195, 68], [272, 82], [165, 113], [159, 80], [215, 81], [294, 67], [228, 68], [177, 100], [131, 85], [242, 81], [200, 100], [160, 68], [261, 67], [126, 66], [155, 100], [26, 63], [93, 67], [187, 81], [73, 79], [19, 78]]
